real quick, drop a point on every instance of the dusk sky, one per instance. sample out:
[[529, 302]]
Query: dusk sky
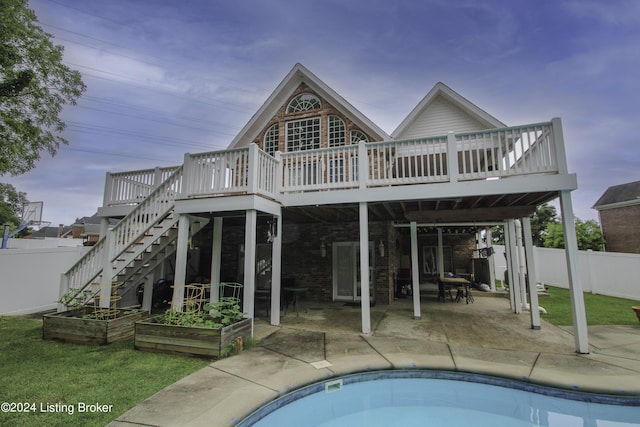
[[167, 77]]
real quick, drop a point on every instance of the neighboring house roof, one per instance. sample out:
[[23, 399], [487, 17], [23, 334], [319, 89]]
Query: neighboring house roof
[[619, 196], [443, 110], [299, 74], [44, 232], [91, 230], [93, 219]]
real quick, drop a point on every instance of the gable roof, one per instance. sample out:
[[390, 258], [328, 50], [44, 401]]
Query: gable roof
[[300, 74], [441, 92], [619, 196]]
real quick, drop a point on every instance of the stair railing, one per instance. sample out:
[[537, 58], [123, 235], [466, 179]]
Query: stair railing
[[128, 231]]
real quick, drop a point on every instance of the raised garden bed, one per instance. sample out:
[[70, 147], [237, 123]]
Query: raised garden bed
[[72, 326], [150, 335]]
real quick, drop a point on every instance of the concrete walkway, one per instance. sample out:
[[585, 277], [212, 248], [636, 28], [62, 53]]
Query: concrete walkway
[[323, 341]]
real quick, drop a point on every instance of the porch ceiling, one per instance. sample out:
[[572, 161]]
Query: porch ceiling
[[485, 208]]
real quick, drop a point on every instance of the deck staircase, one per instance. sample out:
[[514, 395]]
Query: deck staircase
[[134, 247]]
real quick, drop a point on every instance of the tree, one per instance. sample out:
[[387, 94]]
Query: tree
[[588, 234], [34, 87], [12, 204], [543, 215]]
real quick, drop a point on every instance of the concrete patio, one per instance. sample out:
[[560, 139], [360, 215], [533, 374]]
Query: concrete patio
[[484, 337]]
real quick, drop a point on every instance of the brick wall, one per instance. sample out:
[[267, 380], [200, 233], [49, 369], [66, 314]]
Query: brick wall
[[620, 229], [302, 260]]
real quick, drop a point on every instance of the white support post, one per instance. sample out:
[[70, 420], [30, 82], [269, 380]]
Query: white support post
[[507, 253], [108, 191], [147, 295], [253, 175], [440, 254], [187, 175], [182, 249], [216, 259], [64, 288], [558, 140], [452, 157], [250, 261], [157, 177], [415, 272], [107, 271], [522, 268], [277, 186], [490, 259], [577, 298], [531, 273], [104, 226], [276, 272], [363, 165], [365, 301], [514, 277]]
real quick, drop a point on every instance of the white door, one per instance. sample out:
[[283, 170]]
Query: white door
[[346, 271]]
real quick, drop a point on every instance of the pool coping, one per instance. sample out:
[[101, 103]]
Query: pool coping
[[310, 389]]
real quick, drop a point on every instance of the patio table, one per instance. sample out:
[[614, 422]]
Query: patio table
[[445, 283]]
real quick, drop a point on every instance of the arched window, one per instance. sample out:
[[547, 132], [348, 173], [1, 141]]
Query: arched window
[[357, 136], [271, 139], [337, 132], [303, 102]]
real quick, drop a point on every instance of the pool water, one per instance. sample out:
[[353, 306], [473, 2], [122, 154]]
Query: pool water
[[470, 400]]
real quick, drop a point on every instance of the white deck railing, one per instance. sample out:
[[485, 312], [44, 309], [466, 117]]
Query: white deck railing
[[506, 152], [494, 153], [125, 188]]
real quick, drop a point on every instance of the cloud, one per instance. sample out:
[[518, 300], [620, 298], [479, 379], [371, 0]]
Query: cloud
[[611, 12]]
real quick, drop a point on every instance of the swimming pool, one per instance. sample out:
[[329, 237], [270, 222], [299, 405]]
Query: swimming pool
[[432, 398]]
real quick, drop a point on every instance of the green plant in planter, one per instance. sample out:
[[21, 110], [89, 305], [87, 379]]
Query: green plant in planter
[[215, 315], [75, 299]]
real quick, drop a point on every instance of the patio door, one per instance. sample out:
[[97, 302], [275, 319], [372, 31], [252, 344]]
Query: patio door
[[430, 259], [346, 271]]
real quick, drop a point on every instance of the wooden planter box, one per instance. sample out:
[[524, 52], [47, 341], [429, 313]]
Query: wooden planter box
[[69, 326], [158, 337]]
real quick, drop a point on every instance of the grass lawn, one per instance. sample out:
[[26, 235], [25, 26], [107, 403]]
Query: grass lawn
[[601, 309], [38, 372]]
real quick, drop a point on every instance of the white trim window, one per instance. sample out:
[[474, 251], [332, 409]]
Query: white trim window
[[303, 102], [357, 136], [337, 132], [271, 139], [303, 134]]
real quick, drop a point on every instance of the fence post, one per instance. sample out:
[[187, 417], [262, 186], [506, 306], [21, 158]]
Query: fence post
[[452, 157]]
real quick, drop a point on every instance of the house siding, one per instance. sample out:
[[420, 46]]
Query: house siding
[[440, 117]]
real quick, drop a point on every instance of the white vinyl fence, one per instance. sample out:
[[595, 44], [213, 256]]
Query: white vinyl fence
[[30, 278], [607, 273]]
